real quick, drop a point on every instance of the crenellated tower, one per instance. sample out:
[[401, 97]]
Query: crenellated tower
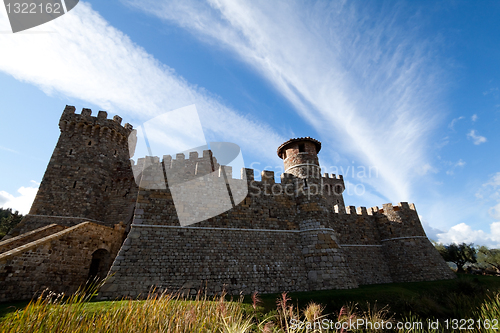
[[300, 159], [324, 258], [89, 176]]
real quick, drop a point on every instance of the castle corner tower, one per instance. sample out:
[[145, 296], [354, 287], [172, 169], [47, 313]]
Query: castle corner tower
[[89, 176]]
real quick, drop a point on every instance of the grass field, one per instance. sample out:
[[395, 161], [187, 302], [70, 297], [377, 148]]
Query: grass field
[[445, 298], [467, 297]]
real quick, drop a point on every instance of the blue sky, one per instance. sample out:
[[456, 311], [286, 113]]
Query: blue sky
[[407, 90]]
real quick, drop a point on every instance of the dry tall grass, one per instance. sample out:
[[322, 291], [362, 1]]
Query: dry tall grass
[[171, 313]]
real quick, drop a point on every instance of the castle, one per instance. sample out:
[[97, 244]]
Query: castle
[[91, 219]]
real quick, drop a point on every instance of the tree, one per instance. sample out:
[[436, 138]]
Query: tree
[[459, 254], [8, 220], [488, 258]]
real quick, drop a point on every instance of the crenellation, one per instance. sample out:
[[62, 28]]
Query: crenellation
[[117, 119], [247, 174], [69, 109], [226, 169], [207, 154], [387, 208], [140, 163], [167, 161], [267, 177], [351, 210], [70, 121], [362, 211]]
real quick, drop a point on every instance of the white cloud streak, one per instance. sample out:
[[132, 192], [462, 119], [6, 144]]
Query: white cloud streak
[[476, 139], [368, 81], [453, 122], [88, 59]]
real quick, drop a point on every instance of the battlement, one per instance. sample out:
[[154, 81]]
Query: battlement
[[352, 210], [387, 209], [184, 168], [332, 176], [99, 126]]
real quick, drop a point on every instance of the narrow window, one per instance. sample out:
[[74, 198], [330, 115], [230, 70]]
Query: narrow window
[[284, 155], [302, 149], [327, 189], [90, 143], [74, 184], [70, 152], [338, 190]]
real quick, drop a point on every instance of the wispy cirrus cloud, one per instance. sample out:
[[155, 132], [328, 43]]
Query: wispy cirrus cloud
[[86, 58], [458, 165], [453, 122], [347, 69]]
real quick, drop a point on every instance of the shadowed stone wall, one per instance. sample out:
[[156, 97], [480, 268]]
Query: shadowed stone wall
[[59, 262]]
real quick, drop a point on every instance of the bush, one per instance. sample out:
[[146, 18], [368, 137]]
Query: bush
[[8, 220]]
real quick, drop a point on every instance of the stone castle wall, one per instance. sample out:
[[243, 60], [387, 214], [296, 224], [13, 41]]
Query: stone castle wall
[[194, 226], [275, 229], [388, 245], [59, 262], [191, 259]]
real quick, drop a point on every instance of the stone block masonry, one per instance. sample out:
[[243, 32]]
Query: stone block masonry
[[60, 262], [98, 213], [192, 259], [14, 242], [281, 237]]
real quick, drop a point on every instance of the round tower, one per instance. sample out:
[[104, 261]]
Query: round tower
[[300, 157], [319, 243]]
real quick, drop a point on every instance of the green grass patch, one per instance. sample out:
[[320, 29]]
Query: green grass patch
[[431, 299]]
